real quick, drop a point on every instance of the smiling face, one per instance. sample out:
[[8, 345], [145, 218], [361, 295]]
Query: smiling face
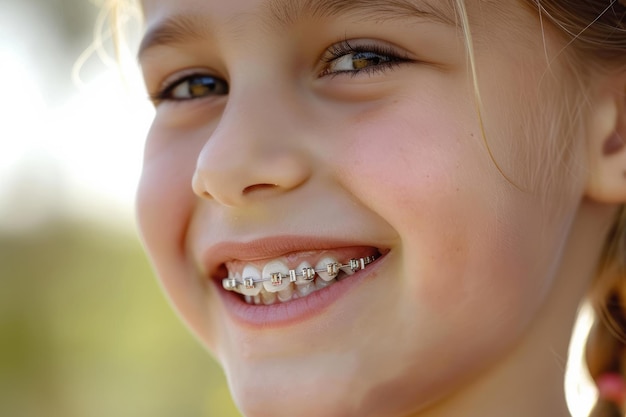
[[298, 134]]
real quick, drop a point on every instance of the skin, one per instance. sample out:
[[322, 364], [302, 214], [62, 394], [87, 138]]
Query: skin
[[470, 311]]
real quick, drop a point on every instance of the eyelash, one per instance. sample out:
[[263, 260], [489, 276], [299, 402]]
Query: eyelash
[[165, 93], [344, 48], [337, 51]]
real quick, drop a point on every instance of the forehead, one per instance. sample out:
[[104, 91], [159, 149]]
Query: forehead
[[289, 10], [171, 21], [285, 12]]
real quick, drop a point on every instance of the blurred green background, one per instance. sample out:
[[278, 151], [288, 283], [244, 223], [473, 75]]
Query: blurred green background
[[84, 329], [86, 332]]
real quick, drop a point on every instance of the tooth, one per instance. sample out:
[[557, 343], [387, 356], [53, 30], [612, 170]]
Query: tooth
[[301, 280], [305, 289], [268, 298], [326, 265], [257, 299], [250, 272], [232, 282], [281, 282], [320, 283], [248, 299], [347, 269], [286, 294]]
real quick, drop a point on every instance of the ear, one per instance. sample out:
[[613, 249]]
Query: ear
[[606, 181]]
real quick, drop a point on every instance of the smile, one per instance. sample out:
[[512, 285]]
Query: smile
[[277, 283]]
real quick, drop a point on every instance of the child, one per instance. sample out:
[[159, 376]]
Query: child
[[390, 207]]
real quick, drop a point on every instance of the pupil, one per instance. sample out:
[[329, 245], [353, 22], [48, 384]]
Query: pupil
[[205, 85], [364, 59]]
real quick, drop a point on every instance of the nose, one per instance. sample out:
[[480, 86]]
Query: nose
[[252, 154]]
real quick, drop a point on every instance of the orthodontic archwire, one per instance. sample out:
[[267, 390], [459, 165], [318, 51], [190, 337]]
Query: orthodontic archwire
[[306, 274]]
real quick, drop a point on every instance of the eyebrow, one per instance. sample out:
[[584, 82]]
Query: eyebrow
[[285, 12], [180, 28], [172, 30]]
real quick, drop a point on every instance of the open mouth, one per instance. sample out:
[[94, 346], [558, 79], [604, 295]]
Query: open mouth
[[295, 275]]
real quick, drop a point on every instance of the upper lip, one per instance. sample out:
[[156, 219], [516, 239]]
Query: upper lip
[[215, 256]]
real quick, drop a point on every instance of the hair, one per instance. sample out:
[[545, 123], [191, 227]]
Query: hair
[[595, 34], [595, 31]]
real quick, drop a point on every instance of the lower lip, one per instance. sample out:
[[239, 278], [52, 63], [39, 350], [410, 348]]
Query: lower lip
[[294, 311]]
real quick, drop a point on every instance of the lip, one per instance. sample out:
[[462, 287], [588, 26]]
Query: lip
[[294, 311]]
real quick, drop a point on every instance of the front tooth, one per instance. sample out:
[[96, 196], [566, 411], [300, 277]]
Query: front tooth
[[251, 272], [324, 266], [286, 294], [268, 298], [275, 267]]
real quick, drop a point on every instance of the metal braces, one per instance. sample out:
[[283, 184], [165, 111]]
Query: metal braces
[[307, 274]]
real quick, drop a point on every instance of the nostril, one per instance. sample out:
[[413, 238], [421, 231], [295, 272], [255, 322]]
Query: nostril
[[259, 187]]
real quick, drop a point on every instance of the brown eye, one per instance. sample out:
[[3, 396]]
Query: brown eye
[[357, 61], [194, 87], [362, 57]]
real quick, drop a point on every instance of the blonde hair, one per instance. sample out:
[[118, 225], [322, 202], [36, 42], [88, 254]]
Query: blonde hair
[[595, 32]]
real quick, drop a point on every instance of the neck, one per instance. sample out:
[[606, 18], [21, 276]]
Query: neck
[[529, 380]]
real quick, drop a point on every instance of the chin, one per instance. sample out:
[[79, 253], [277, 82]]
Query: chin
[[329, 387]]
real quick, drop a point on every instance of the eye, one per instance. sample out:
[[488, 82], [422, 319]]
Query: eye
[[191, 87], [354, 58]]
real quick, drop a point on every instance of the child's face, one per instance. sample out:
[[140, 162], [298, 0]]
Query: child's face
[[351, 129]]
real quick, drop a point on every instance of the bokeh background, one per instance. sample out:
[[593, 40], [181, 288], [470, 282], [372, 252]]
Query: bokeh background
[[84, 329]]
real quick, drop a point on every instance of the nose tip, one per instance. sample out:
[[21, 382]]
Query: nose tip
[[237, 179]]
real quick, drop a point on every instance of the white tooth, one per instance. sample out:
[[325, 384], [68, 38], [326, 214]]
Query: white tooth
[[320, 283], [275, 267], [347, 270], [249, 299], [233, 278], [305, 289], [301, 280], [268, 298], [257, 299], [286, 294], [321, 265], [250, 271]]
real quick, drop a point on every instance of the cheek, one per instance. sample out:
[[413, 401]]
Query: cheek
[[477, 255], [165, 205], [469, 238], [164, 197]]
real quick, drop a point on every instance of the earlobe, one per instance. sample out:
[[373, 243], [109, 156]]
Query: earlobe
[[606, 181]]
